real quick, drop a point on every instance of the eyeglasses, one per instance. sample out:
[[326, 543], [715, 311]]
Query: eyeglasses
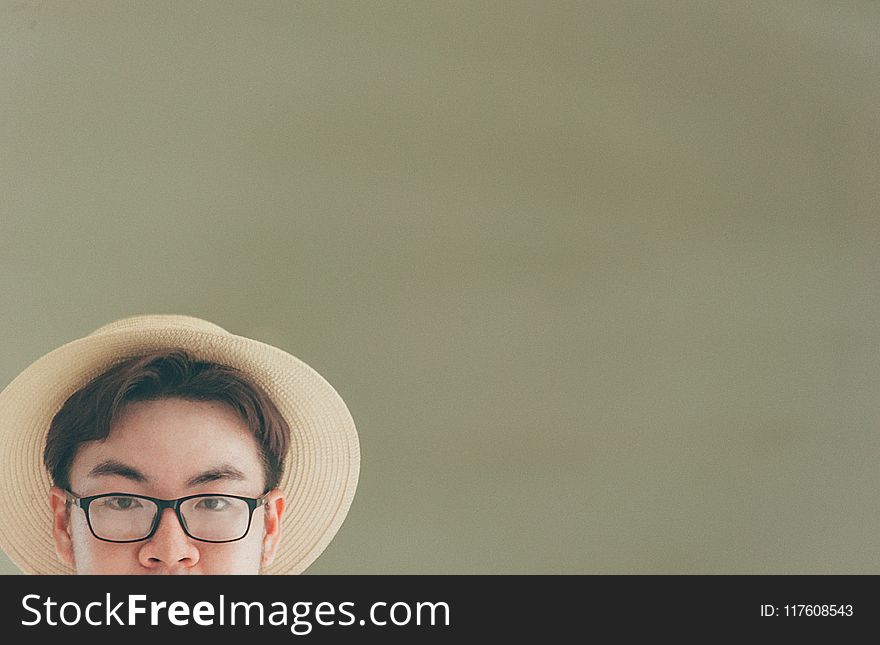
[[122, 517]]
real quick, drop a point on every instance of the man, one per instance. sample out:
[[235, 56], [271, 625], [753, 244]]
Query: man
[[171, 446]]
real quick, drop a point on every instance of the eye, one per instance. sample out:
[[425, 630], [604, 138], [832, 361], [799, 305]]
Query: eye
[[212, 504], [122, 503]]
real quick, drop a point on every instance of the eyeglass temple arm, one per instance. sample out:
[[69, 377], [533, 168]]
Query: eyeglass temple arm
[[71, 498]]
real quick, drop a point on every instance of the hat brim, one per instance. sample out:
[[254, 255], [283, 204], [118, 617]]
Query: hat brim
[[321, 471]]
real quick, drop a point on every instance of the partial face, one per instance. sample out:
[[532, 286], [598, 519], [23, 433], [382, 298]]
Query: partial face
[[168, 449]]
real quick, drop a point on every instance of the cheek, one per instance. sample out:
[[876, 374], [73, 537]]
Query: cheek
[[93, 556], [241, 557]]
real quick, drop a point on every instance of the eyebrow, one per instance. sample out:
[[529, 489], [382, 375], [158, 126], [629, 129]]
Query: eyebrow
[[225, 471], [113, 467]]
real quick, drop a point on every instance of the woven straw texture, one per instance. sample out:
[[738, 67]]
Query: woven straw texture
[[320, 476]]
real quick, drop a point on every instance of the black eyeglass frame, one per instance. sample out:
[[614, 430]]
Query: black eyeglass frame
[[174, 504]]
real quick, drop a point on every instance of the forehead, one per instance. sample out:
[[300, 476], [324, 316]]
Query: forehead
[[171, 440]]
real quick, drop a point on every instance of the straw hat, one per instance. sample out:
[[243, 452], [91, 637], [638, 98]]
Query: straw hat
[[321, 471]]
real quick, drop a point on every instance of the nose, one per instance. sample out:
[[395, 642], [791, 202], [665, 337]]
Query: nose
[[170, 548]]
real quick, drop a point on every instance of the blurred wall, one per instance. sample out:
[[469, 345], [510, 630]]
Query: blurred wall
[[597, 280]]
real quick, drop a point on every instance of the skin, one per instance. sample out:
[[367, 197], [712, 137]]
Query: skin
[[169, 448]]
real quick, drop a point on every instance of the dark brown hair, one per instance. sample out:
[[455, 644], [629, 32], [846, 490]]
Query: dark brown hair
[[89, 413]]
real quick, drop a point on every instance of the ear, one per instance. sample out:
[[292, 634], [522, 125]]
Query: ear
[[61, 525], [272, 525]]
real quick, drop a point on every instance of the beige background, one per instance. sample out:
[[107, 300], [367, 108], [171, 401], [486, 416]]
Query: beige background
[[598, 280]]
